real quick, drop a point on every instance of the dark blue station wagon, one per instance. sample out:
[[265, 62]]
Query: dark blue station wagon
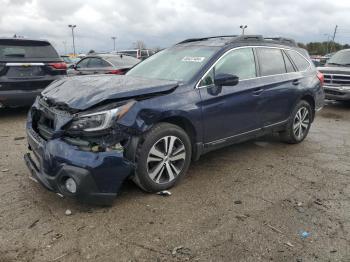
[[87, 134]]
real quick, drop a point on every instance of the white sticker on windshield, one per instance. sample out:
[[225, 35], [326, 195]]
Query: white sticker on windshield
[[196, 59]]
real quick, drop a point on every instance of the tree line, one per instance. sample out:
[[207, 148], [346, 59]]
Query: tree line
[[322, 48]]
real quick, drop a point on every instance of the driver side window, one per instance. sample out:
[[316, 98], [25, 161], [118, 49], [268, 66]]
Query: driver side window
[[239, 62], [83, 63]]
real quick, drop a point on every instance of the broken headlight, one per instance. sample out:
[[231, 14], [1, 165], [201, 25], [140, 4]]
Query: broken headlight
[[100, 120]]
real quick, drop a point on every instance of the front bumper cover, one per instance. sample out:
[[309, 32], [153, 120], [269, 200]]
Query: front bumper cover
[[99, 176], [337, 92]]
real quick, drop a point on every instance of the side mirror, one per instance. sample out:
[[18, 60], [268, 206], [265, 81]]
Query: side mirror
[[226, 80]]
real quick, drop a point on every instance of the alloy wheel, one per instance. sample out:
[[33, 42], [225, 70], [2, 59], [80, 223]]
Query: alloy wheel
[[301, 123], [166, 159]]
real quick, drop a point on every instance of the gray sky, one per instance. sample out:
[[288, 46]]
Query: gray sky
[[164, 22]]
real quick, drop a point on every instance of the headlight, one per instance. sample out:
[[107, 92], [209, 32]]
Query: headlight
[[99, 120]]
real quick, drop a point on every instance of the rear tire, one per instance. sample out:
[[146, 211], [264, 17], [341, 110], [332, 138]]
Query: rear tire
[[163, 157], [299, 124]]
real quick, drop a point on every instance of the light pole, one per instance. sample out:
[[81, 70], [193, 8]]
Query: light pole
[[243, 27], [72, 27], [65, 47], [114, 38]]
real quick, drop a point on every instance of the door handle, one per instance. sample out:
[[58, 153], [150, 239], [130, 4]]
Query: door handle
[[258, 91], [296, 82]]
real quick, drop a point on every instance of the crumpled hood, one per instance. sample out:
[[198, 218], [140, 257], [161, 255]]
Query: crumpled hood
[[83, 92]]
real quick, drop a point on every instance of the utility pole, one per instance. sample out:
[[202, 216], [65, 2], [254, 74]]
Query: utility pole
[[113, 38], [243, 27], [72, 27], [335, 32], [328, 40]]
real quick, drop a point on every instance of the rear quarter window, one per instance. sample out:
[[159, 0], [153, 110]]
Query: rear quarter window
[[301, 63]]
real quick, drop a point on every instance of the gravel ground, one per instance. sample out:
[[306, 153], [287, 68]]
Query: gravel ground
[[247, 202]]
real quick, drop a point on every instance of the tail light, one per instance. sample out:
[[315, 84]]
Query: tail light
[[59, 66], [116, 72], [320, 76]]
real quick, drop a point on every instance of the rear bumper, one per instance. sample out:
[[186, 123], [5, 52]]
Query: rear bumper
[[17, 98], [337, 92], [98, 176]]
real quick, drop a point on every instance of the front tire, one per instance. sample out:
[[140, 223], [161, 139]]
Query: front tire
[[299, 124], [162, 158]]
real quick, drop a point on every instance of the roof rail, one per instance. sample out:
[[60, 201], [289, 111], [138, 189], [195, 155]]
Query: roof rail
[[203, 38], [282, 40], [242, 38], [248, 38]]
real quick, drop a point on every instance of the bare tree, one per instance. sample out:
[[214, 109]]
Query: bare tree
[[139, 44]]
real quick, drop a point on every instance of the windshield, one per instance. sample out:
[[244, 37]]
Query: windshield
[[340, 58], [177, 63]]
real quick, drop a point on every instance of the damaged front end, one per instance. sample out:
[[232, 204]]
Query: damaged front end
[[98, 130], [80, 154]]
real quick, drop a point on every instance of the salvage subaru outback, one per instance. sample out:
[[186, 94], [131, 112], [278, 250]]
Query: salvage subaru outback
[[88, 134]]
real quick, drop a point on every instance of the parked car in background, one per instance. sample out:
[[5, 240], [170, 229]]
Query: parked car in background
[[27, 66], [138, 53], [103, 64], [325, 58], [69, 60], [89, 134], [337, 76], [316, 59]]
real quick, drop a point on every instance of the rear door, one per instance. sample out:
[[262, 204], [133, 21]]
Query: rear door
[[279, 85], [28, 64]]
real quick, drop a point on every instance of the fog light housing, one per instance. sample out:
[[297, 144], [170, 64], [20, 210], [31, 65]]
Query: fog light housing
[[71, 185]]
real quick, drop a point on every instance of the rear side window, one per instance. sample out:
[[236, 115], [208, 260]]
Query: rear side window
[[271, 61], [26, 49], [98, 63], [301, 63], [123, 60]]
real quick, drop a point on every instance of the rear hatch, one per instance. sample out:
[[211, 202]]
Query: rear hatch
[[28, 64]]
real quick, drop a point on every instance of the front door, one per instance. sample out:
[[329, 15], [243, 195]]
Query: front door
[[231, 111]]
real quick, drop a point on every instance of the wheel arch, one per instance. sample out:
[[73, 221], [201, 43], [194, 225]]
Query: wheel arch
[[185, 124], [190, 130], [310, 99]]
